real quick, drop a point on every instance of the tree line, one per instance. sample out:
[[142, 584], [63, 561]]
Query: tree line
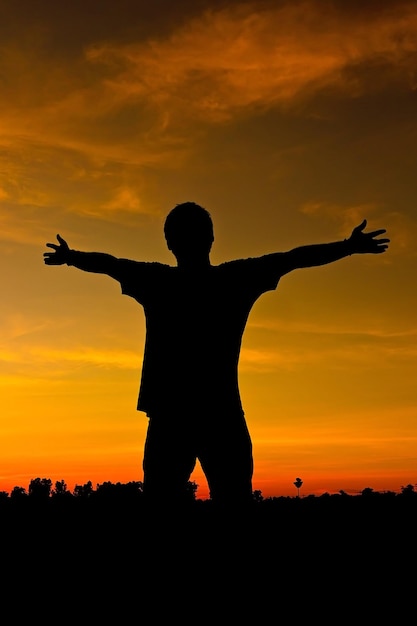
[[42, 489]]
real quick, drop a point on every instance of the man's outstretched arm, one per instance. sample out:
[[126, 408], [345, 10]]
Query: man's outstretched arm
[[98, 262], [359, 242]]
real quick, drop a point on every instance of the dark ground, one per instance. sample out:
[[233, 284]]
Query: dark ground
[[334, 560]]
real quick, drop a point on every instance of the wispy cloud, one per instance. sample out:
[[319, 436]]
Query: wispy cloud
[[350, 216], [240, 58], [402, 228], [341, 357], [20, 349], [290, 344], [245, 57], [45, 362], [369, 331], [114, 108], [124, 359]]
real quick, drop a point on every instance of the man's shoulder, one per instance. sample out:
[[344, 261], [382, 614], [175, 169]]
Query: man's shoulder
[[138, 278], [130, 266], [259, 273], [250, 263], [235, 264]]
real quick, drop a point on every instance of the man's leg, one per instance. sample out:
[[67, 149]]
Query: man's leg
[[225, 454], [168, 462]]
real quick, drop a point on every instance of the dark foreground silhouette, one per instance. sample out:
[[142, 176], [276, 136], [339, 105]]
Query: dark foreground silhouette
[[118, 513], [196, 315], [103, 555]]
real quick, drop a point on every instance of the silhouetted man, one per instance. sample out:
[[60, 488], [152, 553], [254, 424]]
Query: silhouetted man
[[195, 314]]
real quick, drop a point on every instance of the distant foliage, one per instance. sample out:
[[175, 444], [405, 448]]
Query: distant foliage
[[42, 490]]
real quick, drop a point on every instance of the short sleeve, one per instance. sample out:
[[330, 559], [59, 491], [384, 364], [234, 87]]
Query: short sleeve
[[258, 274], [137, 279]]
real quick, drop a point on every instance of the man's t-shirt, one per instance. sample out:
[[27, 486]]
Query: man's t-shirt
[[194, 326]]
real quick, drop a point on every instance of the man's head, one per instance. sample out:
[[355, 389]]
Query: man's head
[[189, 231]]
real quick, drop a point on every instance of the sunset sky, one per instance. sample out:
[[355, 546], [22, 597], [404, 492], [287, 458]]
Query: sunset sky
[[291, 122]]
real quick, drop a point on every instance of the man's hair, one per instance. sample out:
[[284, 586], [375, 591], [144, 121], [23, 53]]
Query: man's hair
[[188, 219]]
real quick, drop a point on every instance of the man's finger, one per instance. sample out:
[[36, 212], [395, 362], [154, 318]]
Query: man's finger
[[360, 227]]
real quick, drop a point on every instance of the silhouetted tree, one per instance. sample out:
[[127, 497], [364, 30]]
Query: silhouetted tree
[[40, 488], [390, 494], [84, 491], [191, 490], [61, 490], [407, 490], [120, 490], [257, 495], [134, 487], [18, 493], [298, 482]]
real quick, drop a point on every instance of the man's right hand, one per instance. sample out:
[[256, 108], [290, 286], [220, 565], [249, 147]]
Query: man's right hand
[[60, 254]]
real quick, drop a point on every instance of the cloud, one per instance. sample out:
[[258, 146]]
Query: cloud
[[20, 227], [125, 199], [247, 57], [22, 362], [102, 112], [401, 228], [371, 332], [37, 180], [349, 216], [20, 349], [211, 68], [124, 359], [288, 345]]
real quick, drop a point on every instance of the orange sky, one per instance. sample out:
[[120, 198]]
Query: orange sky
[[290, 122]]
